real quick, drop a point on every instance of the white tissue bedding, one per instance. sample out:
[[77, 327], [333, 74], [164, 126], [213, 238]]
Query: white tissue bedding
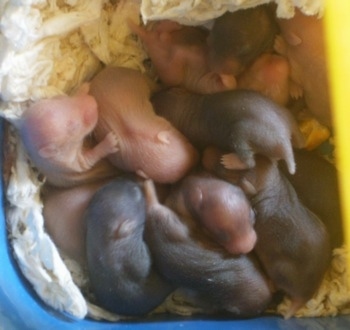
[[49, 47]]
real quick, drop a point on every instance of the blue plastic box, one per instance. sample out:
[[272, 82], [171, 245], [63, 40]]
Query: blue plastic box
[[21, 308]]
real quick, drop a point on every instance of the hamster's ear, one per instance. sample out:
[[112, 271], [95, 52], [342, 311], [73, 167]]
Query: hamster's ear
[[215, 82], [125, 229], [48, 151], [228, 81]]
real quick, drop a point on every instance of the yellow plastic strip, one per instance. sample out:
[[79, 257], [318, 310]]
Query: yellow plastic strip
[[337, 34]]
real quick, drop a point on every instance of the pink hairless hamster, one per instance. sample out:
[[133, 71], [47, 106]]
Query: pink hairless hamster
[[179, 55], [221, 207], [303, 45], [63, 215], [269, 75], [148, 144], [55, 134]]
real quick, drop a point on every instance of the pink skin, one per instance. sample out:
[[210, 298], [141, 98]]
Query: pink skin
[[227, 167], [222, 208], [54, 132], [179, 56], [268, 74], [303, 45], [65, 224], [148, 144]]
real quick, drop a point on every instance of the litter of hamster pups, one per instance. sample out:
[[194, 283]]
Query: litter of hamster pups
[[146, 102]]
